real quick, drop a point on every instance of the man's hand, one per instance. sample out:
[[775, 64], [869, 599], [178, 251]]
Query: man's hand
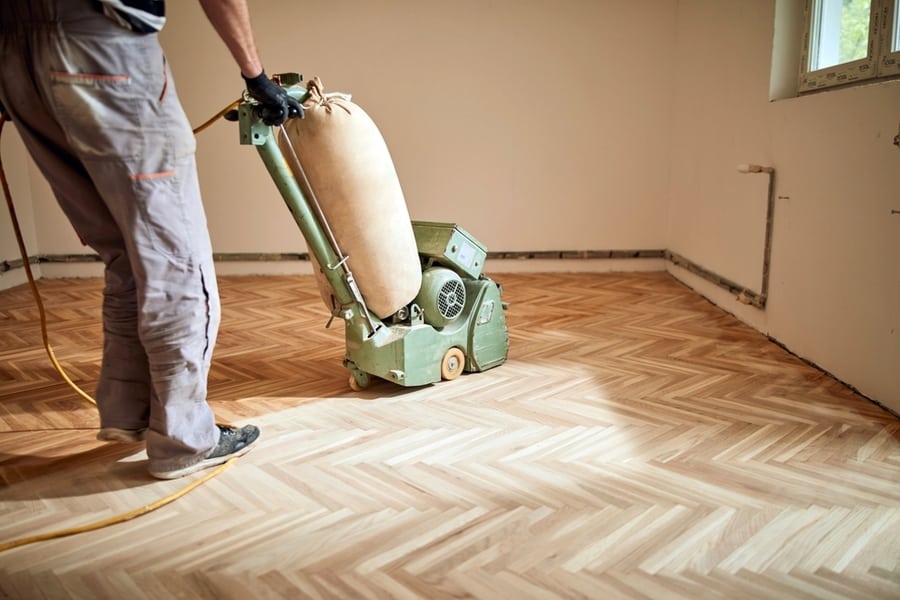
[[276, 106]]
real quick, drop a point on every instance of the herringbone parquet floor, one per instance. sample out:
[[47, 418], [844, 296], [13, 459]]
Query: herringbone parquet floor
[[639, 443]]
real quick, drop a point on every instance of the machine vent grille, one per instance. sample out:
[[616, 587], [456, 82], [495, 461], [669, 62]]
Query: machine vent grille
[[452, 298]]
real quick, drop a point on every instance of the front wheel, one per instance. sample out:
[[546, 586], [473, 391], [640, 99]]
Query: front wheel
[[452, 364], [356, 385]]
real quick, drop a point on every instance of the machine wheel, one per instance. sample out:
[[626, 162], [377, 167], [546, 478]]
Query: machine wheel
[[452, 364], [356, 386]]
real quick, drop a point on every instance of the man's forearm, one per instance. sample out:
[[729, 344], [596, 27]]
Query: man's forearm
[[231, 20]]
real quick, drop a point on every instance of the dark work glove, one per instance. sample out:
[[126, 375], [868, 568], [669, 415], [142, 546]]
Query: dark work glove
[[275, 105]]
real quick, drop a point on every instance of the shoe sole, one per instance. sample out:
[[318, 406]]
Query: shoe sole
[[206, 463]]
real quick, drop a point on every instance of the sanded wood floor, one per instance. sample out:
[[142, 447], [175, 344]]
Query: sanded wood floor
[[639, 443]]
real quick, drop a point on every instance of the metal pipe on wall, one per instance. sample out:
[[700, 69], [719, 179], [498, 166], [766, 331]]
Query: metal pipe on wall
[[742, 293]]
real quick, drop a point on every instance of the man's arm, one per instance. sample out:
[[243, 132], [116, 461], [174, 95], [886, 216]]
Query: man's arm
[[231, 20]]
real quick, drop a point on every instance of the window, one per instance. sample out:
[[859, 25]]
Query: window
[[846, 41]]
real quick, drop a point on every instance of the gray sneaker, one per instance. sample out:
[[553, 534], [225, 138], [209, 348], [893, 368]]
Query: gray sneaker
[[233, 442]]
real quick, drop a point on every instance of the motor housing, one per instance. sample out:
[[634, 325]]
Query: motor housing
[[442, 296]]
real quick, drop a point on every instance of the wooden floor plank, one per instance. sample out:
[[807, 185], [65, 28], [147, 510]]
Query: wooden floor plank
[[638, 443]]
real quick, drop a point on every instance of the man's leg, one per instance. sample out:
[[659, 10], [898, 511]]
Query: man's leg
[[123, 391], [116, 101], [110, 92]]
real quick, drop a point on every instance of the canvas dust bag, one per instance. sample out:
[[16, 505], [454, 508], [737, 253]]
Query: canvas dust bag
[[350, 171]]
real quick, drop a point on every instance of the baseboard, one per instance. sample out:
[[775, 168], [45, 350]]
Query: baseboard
[[56, 266]]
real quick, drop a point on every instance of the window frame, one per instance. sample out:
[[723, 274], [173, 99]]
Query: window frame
[[881, 61], [889, 60]]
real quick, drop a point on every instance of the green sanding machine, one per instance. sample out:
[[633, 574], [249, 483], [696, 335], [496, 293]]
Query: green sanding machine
[[455, 324]]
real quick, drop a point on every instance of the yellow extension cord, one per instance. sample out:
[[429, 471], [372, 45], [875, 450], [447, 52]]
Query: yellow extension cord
[[43, 316]]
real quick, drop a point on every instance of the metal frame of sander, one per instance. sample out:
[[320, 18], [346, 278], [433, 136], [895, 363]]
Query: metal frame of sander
[[455, 324]]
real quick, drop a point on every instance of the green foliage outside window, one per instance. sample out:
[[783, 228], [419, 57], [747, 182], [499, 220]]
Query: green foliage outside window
[[854, 29]]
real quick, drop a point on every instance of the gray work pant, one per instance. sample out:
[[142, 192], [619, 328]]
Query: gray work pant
[[97, 109]]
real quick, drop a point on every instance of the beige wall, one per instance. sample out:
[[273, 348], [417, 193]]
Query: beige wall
[[580, 124], [509, 117], [834, 295], [17, 168], [535, 125]]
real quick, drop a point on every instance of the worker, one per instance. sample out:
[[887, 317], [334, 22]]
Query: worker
[[89, 90]]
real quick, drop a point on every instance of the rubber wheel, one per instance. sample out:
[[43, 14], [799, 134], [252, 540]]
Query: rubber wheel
[[452, 364], [356, 386]]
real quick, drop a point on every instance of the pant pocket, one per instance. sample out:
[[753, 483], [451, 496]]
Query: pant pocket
[[161, 206]]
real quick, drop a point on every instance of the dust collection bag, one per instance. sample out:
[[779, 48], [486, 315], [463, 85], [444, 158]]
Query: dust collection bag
[[351, 173]]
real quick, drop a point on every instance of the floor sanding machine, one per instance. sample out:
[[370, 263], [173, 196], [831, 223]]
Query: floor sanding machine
[[415, 303]]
